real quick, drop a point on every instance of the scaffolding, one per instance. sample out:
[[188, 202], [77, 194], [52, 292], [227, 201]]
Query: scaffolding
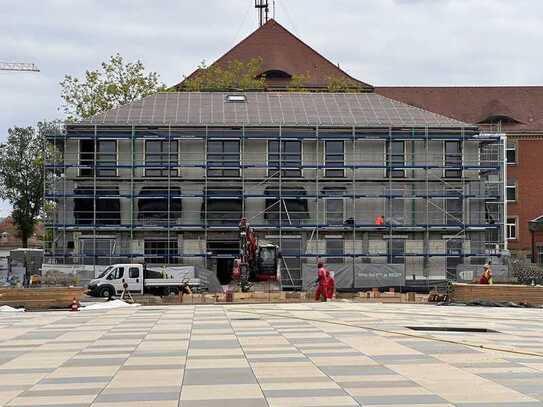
[[172, 194]]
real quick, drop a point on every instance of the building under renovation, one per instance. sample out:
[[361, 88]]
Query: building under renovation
[[357, 179], [354, 178]]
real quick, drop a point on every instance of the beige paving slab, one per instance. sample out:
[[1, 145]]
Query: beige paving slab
[[414, 405], [377, 346], [223, 351], [343, 360], [53, 401], [155, 360], [87, 371], [6, 396], [264, 371], [158, 377], [22, 378], [457, 385], [155, 403], [296, 385], [216, 363], [263, 340]]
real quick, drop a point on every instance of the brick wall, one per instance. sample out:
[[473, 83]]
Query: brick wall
[[528, 172]]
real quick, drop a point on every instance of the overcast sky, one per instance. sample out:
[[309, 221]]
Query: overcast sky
[[381, 42]]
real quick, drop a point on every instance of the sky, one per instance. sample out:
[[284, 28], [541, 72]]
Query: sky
[[381, 42]]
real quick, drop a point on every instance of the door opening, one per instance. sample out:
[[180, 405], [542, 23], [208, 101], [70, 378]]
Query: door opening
[[224, 270], [223, 252]]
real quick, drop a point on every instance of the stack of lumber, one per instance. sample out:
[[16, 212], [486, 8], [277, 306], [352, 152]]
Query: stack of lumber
[[40, 298], [497, 293]]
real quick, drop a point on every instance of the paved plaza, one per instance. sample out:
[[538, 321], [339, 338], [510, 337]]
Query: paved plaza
[[283, 355]]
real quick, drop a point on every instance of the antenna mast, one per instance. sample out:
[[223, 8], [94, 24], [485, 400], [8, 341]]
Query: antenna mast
[[263, 9]]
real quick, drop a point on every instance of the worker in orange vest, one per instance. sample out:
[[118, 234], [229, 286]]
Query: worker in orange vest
[[322, 282], [380, 220]]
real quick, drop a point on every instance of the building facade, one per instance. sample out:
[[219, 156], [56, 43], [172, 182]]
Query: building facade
[[352, 178], [514, 111]]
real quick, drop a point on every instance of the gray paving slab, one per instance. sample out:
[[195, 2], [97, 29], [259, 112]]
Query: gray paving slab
[[135, 397], [281, 350], [87, 362], [356, 370]]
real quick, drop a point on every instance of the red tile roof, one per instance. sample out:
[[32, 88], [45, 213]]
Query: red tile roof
[[476, 104], [280, 50]]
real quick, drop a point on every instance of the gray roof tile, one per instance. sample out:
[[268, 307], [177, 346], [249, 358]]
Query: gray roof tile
[[272, 109]]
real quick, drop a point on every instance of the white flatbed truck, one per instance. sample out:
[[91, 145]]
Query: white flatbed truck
[[143, 280]]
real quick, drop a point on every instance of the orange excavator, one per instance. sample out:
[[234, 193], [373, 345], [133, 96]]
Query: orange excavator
[[258, 261]]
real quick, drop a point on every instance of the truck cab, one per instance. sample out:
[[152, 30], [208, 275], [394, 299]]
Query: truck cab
[[111, 281]]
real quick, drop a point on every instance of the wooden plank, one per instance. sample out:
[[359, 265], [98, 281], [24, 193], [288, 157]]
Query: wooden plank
[[497, 293]]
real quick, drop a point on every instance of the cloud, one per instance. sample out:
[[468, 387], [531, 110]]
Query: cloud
[[382, 42]]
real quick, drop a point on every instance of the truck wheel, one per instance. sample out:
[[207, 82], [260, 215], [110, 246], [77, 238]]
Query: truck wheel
[[106, 292]]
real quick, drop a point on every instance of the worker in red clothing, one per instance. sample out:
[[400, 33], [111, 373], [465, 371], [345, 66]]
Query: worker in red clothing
[[322, 282], [331, 287], [380, 220]]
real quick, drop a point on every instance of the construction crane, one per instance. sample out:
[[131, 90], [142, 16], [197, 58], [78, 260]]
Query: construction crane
[[21, 67]]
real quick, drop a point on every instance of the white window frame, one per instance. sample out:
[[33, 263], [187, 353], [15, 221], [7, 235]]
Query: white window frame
[[326, 199], [239, 140], [514, 148], [145, 160], [270, 171], [95, 172], [444, 147], [344, 160], [386, 143], [515, 186], [508, 226]]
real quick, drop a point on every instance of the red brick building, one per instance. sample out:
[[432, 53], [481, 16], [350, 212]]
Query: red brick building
[[516, 111]]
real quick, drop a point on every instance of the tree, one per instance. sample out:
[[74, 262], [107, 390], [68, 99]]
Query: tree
[[21, 174], [236, 75], [299, 81], [115, 84], [340, 85]]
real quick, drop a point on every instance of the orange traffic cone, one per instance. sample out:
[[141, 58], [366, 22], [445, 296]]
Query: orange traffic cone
[[75, 305]]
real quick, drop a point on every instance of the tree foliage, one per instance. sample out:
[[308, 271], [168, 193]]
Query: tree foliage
[[236, 75], [299, 81], [115, 84], [21, 174], [339, 84]]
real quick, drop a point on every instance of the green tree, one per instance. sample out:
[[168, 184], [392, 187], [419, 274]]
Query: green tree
[[338, 85], [299, 81], [236, 75], [21, 174], [115, 84]]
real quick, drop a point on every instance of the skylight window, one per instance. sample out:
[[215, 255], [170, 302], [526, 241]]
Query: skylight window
[[236, 98]]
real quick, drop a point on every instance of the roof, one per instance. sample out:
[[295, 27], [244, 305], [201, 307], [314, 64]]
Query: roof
[[476, 104], [281, 50], [271, 109]]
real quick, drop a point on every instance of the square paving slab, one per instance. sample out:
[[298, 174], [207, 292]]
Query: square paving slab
[[315, 354]]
